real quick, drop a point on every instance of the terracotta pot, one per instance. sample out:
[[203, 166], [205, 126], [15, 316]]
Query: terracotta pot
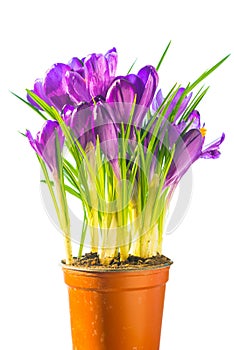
[[119, 310]]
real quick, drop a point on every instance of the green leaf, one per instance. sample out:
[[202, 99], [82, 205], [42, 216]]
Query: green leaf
[[156, 114], [72, 191], [41, 103], [171, 117], [206, 74], [29, 105], [157, 208], [50, 187], [163, 56], [21, 133], [194, 103], [60, 184], [128, 127], [133, 64], [70, 173], [83, 235]]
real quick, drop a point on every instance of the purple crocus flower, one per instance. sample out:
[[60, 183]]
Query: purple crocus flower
[[175, 130], [172, 126], [45, 143], [89, 120], [99, 72], [55, 86], [107, 132], [187, 151], [125, 89], [158, 100], [195, 120], [38, 89], [212, 150], [120, 97], [77, 81], [81, 122]]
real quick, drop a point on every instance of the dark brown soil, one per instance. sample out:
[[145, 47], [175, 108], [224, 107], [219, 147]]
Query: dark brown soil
[[91, 260]]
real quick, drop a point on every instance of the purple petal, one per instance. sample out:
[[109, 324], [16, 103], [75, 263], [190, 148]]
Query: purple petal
[[67, 112], [174, 102], [81, 123], [157, 101], [96, 74], [183, 106], [39, 91], [174, 132], [188, 150], [149, 77], [33, 143], [194, 116], [137, 83], [107, 132], [121, 96], [75, 64], [44, 144], [77, 87], [55, 85], [112, 59], [212, 150]]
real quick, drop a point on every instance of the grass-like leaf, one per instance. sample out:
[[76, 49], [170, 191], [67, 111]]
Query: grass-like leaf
[[133, 64], [206, 74], [163, 56], [30, 105], [41, 103], [50, 185]]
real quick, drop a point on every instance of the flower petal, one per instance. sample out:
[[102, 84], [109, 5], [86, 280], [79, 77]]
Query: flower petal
[[112, 59], [75, 64], [212, 150], [107, 133], [187, 151], [194, 116], [149, 77], [138, 85], [33, 143], [39, 91], [96, 74], [157, 101], [55, 85], [175, 100], [44, 144], [120, 96], [81, 123], [76, 86], [67, 112]]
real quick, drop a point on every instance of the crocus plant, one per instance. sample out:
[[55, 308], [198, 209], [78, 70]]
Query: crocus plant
[[127, 147]]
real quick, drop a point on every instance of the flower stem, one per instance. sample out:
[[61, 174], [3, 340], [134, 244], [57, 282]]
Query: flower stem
[[64, 220], [94, 230]]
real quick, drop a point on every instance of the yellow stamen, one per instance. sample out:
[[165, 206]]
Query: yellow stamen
[[203, 132]]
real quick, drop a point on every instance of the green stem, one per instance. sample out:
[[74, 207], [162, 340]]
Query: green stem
[[50, 187], [161, 222], [83, 235], [64, 220]]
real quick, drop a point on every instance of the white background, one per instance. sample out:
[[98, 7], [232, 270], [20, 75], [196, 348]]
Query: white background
[[199, 308]]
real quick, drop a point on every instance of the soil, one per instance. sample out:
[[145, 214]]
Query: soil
[[91, 260]]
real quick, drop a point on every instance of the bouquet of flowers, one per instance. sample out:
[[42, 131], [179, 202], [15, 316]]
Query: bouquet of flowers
[[120, 146]]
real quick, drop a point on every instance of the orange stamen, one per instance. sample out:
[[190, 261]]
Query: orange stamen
[[203, 132]]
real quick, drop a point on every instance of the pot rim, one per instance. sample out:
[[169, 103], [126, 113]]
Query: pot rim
[[103, 269]]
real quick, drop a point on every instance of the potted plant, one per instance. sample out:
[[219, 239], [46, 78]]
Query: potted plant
[[119, 147]]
